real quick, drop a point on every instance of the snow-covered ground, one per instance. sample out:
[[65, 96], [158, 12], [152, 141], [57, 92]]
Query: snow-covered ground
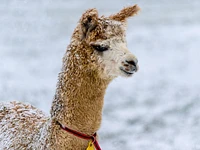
[[157, 109]]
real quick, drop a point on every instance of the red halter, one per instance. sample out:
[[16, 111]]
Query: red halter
[[83, 136]]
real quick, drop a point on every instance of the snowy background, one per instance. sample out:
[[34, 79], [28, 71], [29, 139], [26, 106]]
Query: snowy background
[[157, 109]]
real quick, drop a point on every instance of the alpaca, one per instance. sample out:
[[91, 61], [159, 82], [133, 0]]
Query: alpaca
[[97, 54]]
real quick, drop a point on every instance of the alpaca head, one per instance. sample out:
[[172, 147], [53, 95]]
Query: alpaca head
[[105, 38]]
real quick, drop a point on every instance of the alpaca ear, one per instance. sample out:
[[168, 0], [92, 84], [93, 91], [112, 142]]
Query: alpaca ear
[[88, 22], [125, 13]]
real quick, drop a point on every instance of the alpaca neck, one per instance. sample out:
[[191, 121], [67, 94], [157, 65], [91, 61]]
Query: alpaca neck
[[79, 98]]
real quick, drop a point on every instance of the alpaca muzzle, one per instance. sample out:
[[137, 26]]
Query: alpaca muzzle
[[130, 66]]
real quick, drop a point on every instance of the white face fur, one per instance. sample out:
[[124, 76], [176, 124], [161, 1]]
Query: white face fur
[[114, 57]]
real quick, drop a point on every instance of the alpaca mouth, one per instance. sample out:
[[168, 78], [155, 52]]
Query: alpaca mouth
[[129, 73]]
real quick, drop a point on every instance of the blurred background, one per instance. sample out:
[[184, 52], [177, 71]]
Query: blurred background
[[157, 109]]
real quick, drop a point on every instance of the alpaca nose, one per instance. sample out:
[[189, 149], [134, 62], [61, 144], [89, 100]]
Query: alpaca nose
[[133, 64]]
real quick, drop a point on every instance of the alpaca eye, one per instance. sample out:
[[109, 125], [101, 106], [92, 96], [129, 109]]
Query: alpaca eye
[[100, 48]]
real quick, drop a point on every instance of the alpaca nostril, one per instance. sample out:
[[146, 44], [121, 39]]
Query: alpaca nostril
[[132, 62]]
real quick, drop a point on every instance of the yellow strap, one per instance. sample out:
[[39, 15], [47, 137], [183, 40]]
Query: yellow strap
[[90, 146]]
